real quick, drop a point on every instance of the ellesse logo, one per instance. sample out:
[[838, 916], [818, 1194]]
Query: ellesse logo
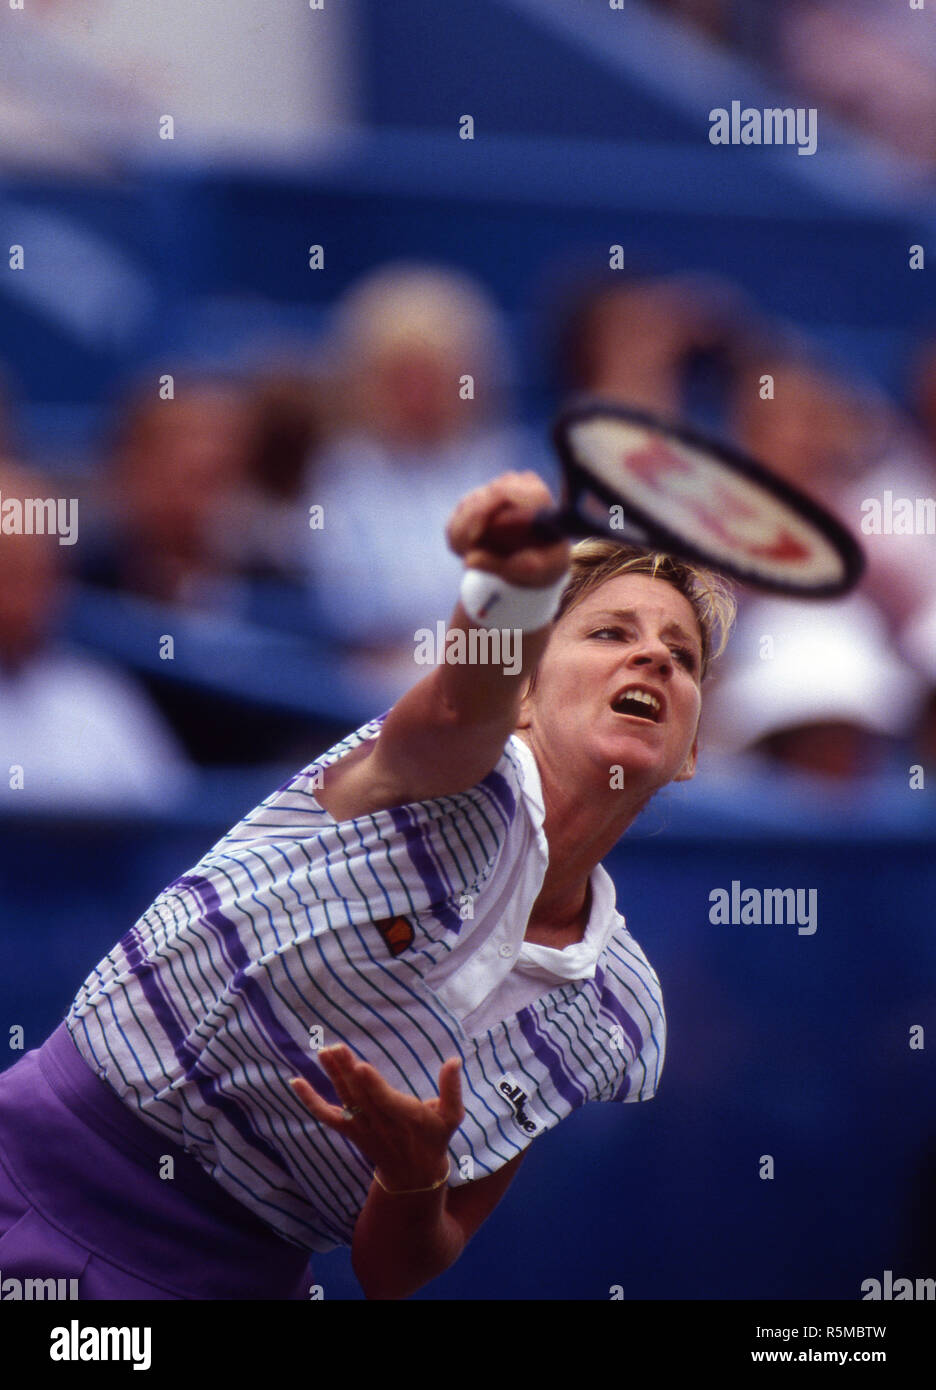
[[397, 932], [510, 1087]]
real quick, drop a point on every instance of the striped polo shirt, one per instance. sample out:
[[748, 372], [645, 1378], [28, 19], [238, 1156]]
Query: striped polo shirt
[[399, 933]]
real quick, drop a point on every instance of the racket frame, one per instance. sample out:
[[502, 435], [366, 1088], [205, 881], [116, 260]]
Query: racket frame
[[578, 480]]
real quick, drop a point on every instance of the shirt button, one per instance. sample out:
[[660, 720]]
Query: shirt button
[[505, 950]]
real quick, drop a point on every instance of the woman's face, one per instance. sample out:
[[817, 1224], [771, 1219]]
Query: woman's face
[[619, 684]]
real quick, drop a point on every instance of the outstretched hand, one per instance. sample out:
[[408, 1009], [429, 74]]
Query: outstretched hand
[[405, 1139]]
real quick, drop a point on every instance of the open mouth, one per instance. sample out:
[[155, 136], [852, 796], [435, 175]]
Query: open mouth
[[640, 703]]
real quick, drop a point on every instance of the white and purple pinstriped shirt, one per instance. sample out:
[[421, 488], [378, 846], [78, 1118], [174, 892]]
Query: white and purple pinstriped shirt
[[399, 933]]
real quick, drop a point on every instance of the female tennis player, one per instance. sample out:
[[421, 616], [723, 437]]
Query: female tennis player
[[349, 1021]]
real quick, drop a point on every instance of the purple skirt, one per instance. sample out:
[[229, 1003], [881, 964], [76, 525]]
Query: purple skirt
[[81, 1198]]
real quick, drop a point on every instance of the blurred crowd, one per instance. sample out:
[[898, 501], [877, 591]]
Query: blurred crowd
[[323, 487]]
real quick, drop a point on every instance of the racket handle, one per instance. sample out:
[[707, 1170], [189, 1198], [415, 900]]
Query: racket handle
[[516, 528]]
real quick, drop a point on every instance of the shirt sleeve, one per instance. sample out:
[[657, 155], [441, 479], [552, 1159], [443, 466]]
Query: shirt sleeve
[[409, 859], [632, 1004]]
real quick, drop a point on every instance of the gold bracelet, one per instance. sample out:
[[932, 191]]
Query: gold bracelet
[[408, 1192]]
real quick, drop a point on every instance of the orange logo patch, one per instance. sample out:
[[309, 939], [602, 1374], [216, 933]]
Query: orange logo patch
[[398, 934]]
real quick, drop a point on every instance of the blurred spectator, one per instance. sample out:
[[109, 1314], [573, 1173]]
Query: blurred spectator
[[901, 575], [175, 498], [287, 426], [421, 369], [814, 688], [883, 77], [83, 734], [815, 431], [635, 341]]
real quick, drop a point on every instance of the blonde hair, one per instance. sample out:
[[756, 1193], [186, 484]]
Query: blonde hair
[[406, 303], [595, 561]]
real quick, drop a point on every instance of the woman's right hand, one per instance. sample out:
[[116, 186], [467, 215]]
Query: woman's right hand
[[449, 729], [534, 565]]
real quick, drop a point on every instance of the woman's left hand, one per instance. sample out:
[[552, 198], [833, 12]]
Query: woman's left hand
[[405, 1139]]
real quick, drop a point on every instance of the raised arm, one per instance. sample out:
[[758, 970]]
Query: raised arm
[[447, 732]]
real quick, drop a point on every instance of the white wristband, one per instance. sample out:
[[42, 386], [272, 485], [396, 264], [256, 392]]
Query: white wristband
[[490, 601]]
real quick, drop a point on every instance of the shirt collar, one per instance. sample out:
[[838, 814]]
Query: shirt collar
[[530, 780], [578, 961]]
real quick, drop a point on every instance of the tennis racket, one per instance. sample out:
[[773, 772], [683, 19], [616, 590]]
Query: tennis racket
[[642, 481]]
